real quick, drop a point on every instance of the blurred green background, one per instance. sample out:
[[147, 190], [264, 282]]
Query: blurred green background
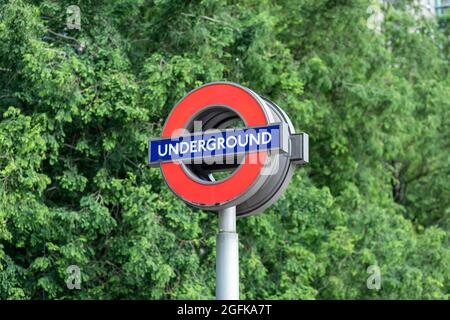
[[369, 82]]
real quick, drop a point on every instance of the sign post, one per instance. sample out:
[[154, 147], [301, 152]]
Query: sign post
[[227, 256], [222, 129]]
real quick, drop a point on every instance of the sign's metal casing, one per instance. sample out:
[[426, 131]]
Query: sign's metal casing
[[251, 187]]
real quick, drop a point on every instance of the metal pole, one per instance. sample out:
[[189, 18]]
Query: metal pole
[[227, 257]]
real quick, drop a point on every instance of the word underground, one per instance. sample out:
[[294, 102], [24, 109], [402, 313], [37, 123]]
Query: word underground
[[215, 145]]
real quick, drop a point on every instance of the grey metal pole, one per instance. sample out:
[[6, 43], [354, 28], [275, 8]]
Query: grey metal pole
[[227, 257]]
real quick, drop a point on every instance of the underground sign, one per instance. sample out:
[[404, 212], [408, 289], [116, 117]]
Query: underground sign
[[225, 146]]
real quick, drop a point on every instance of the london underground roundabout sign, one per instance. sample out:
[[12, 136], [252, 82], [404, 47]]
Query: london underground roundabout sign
[[199, 140], [225, 148]]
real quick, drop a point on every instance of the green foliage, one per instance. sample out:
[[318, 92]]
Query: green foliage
[[77, 108]]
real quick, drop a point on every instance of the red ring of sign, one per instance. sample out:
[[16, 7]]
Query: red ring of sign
[[248, 107]]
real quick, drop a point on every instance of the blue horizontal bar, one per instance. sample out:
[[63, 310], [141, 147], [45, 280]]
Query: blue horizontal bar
[[214, 144]]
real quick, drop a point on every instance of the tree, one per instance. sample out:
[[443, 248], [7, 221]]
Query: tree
[[78, 105]]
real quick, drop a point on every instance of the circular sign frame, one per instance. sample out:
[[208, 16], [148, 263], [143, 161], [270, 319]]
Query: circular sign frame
[[261, 172], [245, 179]]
